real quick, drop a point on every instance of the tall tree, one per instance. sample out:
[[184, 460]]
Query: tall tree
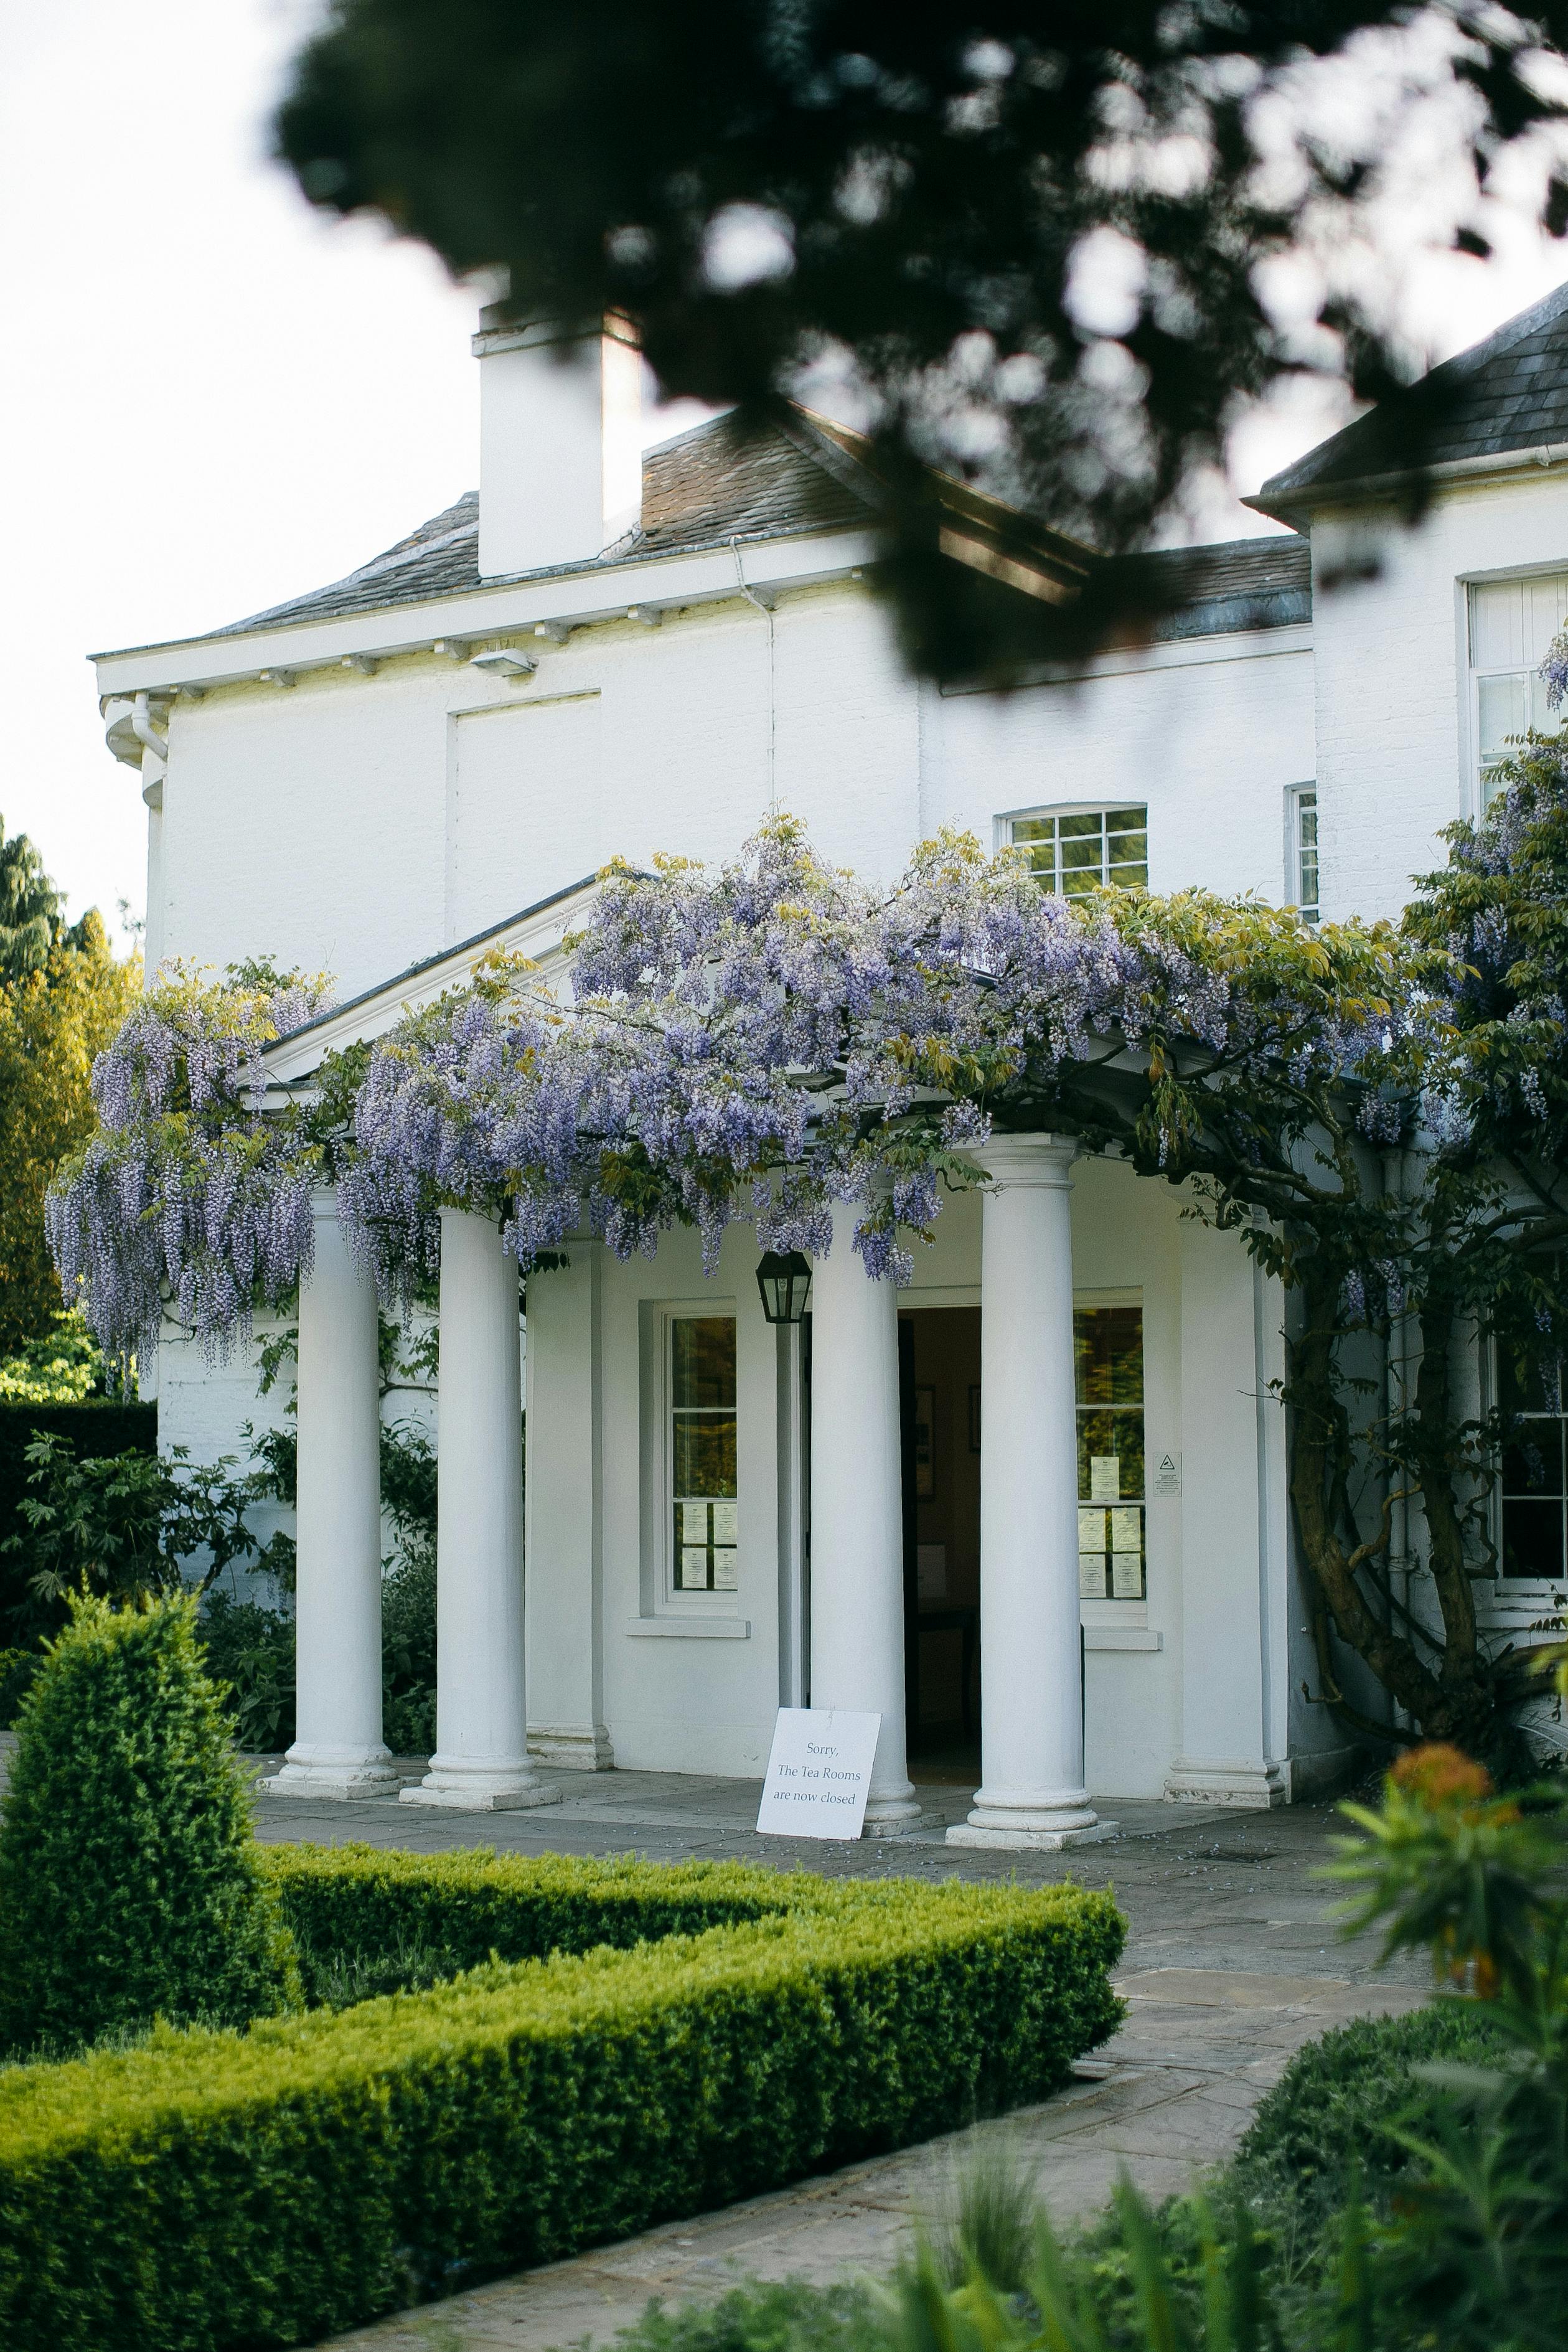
[[58, 1009], [1045, 248], [32, 921]]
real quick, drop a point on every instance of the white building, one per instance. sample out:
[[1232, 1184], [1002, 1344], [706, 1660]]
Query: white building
[[387, 776]]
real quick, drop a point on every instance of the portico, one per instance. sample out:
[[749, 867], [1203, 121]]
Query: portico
[[612, 1647]]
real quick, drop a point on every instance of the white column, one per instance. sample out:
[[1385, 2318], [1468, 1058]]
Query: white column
[[481, 1763], [857, 1514], [1031, 1705], [338, 1751]]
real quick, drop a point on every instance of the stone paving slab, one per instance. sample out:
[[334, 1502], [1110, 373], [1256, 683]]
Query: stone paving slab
[[1177, 2097]]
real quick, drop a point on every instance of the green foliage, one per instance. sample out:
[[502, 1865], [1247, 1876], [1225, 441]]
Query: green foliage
[[276, 2185], [17, 1668], [408, 1653], [57, 1014], [63, 1366], [1331, 2116], [786, 2316], [989, 2224], [1193, 2277], [130, 1886], [1477, 2254], [98, 1428], [250, 1655], [120, 1526], [32, 916]]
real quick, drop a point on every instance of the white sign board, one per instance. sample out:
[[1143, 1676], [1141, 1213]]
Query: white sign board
[[818, 1773]]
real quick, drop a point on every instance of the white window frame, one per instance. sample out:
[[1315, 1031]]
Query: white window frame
[[1010, 818], [1104, 1610], [1296, 797], [1475, 672], [1535, 1589], [669, 1598]]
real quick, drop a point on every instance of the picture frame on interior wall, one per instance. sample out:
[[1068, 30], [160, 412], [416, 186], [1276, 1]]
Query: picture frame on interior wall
[[924, 1445]]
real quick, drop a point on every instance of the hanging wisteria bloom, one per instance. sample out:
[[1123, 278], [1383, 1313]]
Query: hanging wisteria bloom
[[763, 1041], [188, 1201]]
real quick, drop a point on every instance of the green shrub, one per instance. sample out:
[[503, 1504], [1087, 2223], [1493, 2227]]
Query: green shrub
[[763, 2316], [408, 1649], [225, 2191], [354, 1903], [1328, 2115], [250, 1653], [129, 1885], [17, 1668]]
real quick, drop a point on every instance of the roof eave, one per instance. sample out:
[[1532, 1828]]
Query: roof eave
[[580, 593], [1283, 501]]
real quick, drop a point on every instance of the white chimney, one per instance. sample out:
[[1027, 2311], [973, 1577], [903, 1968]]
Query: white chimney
[[560, 459]]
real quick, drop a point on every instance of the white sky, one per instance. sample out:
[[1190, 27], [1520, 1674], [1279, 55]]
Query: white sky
[[213, 401]]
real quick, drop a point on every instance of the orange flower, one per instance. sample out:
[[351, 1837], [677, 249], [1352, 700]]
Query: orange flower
[[1439, 1774]]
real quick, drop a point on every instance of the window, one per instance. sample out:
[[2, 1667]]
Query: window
[[1513, 623], [1302, 812], [1108, 1346], [1533, 1542], [703, 1454], [1072, 850]]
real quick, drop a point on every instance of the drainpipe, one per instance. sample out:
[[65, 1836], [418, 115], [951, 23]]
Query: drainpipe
[[146, 734], [764, 606]]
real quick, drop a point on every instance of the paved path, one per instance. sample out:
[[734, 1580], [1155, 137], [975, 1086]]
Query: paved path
[[1232, 1963]]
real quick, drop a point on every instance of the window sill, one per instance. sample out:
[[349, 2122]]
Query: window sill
[[1122, 1637], [692, 1629]]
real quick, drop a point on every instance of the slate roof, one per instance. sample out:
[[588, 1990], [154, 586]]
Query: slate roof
[[737, 478], [722, 481], [1240, 583], [1509, 392]]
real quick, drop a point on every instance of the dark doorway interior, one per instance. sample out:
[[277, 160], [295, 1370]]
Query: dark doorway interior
[[939, 1368]]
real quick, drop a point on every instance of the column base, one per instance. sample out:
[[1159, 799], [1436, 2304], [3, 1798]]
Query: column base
[[1241, 1787], [892, 1816], [1043, 1824], [343, 1775], [572, 1747], [480, 1788]]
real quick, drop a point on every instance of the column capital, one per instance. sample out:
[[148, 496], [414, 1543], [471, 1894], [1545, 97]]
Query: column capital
[[1015, 1160]]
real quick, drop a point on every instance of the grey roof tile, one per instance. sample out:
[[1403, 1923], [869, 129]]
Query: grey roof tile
[[744, 478], [1506, 394], [730, 478]]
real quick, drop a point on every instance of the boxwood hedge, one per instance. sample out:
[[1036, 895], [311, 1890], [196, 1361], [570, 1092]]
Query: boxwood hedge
[[212, 2190]]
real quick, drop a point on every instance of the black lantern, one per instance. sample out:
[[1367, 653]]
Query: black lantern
[[784, 1282]]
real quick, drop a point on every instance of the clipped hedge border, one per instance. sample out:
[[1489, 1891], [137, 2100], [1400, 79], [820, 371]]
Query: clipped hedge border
[[211, 2192]]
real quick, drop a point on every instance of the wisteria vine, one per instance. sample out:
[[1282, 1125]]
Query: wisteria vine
[[190, 1199], [767, 1040]]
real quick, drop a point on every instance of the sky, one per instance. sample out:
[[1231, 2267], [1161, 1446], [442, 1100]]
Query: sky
[[211, 399]]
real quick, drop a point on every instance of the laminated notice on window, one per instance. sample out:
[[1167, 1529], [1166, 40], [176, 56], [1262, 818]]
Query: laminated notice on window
[[1127, 1530], [726, 1570], [818, 1773], [693, 1567], [694, 1523], [1104, 1478], [1126, 1576], [1091, 1576], [726, 1523]]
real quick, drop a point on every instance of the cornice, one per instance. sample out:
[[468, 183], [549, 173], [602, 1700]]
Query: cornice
[[577, 597]]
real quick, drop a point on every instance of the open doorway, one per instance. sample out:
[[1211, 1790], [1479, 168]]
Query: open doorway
[[939, 1380]]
